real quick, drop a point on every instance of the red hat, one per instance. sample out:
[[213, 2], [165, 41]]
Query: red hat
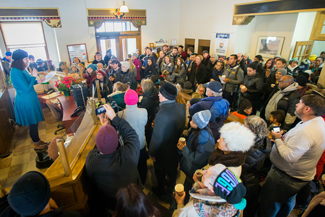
[[101, 71], [131, 97], [107, 139], [165, 45]]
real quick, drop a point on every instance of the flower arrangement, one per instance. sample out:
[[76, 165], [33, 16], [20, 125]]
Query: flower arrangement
[[65, 84]]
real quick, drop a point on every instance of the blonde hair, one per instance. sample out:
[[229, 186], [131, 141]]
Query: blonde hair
[[170, 60], [119, 86], [165, 73], [147, 84], [201, 57], [132, 66], [199, 87]]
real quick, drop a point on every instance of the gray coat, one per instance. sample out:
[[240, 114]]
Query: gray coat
[[180, 75], [168, 67], [236, 76]]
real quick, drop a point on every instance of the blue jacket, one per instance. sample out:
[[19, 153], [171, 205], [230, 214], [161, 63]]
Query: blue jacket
[[27, 107], [192, 161], [219, 109]]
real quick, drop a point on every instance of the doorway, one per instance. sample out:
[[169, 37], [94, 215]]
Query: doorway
[[121, 36]]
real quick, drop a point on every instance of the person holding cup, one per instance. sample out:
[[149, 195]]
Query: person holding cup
[[199, 147]]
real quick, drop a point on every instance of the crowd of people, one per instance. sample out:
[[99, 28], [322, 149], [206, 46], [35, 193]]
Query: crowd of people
[[173, 109]]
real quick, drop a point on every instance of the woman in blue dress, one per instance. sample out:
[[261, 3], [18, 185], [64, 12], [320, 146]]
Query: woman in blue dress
[[28, 110]]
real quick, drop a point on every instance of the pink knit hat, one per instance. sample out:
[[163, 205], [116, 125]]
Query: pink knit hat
[[131, 97], [107, 139]]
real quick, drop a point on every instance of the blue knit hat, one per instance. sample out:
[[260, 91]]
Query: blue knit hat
[[93, 66], [202, 118], [8, 54]]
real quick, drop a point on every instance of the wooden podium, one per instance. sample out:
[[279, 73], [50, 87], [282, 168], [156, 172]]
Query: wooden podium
[[66, 175]]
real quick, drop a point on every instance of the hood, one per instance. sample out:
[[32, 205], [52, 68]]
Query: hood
[[151, 93], [116, 93], [290, 88]]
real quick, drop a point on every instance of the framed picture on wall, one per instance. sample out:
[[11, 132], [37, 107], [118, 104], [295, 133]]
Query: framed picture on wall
[[268, 46], [79, 51]]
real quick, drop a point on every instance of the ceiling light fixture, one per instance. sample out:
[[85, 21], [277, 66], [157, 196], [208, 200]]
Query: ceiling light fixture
[[124, 8]]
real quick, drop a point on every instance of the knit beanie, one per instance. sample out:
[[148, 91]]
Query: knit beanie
[[19, 54], [229, 187], [253, 65], [302, 80], [194, 100], [8, 54], [188, 85], [107, 139], [202, 118], [169, 91], [312, 57], [93, 66], [101, 71], [30, 194], [282, 71], [294, 59], [215, 56], [131, 97]]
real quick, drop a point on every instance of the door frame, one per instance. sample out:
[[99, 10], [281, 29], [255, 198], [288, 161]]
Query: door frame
[[138, 38]]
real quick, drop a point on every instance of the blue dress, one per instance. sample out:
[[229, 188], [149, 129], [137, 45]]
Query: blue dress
[[27, 107]]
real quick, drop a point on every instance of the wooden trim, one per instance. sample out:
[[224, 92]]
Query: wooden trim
[[3, 36], [280, 12], [250, 3], [317, 27], [64, 158], [46, 49]]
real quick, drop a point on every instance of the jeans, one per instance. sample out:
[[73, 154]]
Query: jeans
[[278, 193]]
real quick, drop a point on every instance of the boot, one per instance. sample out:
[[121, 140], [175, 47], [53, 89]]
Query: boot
[[41, 146]]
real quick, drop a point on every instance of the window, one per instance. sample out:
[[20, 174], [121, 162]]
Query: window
[[116, 26], [27, 36]]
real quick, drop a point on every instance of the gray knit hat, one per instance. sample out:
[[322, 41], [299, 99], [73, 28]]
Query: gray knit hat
[[202, 118], [282, 71]]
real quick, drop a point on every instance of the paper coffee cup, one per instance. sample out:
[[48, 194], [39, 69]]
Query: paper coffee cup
[[199, 174], [182, 140], [223, 76], [179, 189]]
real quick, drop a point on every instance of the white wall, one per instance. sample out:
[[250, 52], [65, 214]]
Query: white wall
[[203, 19], [281, 25], [244, 38], [303, 28]]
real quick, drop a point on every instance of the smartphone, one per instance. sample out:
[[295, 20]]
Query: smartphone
[[100, 110], [276, 129]]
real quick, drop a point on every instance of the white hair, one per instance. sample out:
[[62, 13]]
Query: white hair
[[237, 137], [215, 94], [125, 64]]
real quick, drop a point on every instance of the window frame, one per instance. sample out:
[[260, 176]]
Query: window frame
[[4, 38], [116, 21]]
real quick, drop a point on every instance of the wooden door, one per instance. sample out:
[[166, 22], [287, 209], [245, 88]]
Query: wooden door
[[203, 45], [127, 45], [302, 50]]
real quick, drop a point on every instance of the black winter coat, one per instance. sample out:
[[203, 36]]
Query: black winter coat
[[105, 91], [201, 74], [109, 173], [150, 102], [215, 75], [127, 78], [243, 66], [211, 67], [169, 126], [254, 86], [149, 71], [206, 61]]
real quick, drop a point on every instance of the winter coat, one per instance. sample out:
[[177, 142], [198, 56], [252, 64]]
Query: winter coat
[[168, 128], [150, 71], [100, 61], [260, 71], [183, 55], [27, 106], [159, 64], [137, 118], [106, 90], [137, 64], [292, 72], [219, 109], [127, 78], [180, 76], [236, 76], [215, 75], [118, 97], [89, 79], [146, 58], [269, 81], [243, 66], [254, 86], [169, 67], [150, 102], [108, 173], [194, 160], [211, 66], [174, 58], [206, 61], [6, 65], [199, 74]]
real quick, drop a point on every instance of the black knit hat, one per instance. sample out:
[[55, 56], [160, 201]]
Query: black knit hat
[[253, 65], [19, 54], [30, 194], [169, 91], [229, 187], [187, 85], [301, 80]]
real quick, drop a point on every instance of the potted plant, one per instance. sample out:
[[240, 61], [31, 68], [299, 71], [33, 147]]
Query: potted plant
[[64, 85]]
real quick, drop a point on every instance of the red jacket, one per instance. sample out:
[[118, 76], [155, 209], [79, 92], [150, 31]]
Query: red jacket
[[320, 164], [184, 55]]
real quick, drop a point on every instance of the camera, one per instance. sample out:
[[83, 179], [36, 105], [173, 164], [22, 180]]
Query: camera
[[276, 129], [102, 109]]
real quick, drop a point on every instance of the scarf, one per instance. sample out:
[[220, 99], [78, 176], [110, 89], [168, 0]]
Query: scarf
[[205, 209], [232, 159]]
